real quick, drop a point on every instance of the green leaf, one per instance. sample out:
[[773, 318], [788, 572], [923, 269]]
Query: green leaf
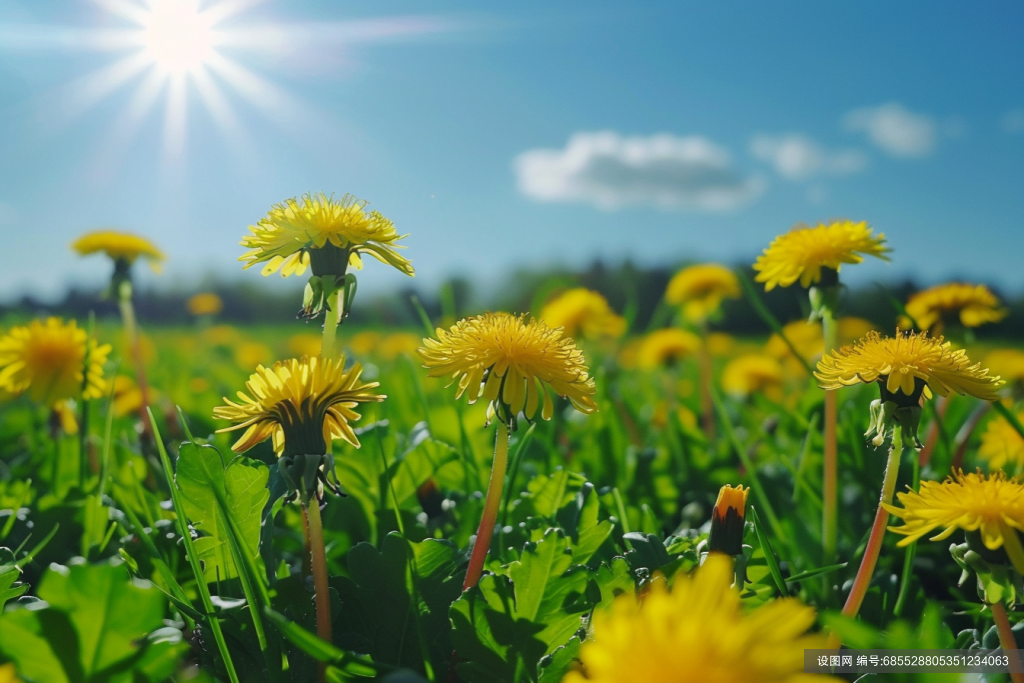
[[321, 650], [10, 588], [504, 626], [201, 476], [769, 554]]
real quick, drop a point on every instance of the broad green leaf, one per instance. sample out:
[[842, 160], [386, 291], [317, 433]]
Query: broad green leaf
[[200, 476]]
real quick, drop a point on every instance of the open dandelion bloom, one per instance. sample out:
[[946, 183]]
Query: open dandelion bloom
[[303, 404], [698, 633], [46, 360], [204, 303], [992, 506], [699, 290], [753, 373], [663, 347], [904, 364], [802, 253], [1002, 445], [582, 312], [511, 362], [289, 236], [972, 305], [119, 246]]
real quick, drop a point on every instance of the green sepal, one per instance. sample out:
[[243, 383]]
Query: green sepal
[[996, 582]]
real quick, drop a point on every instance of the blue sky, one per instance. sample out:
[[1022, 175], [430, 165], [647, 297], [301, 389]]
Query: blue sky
[[506, 134]]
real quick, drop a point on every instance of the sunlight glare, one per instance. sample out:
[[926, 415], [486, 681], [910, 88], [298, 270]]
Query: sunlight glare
[[178, 36]]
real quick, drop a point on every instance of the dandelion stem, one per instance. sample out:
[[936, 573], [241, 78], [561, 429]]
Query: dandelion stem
[[322, 595], [131, 333], [1007, 641], [491, 505], [829, 474], [329, 345], [707, 409], [874, 546]]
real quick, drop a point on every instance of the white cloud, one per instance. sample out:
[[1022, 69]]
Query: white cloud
[[1013, 121], [609, 171], [797, 157], [894, 128]]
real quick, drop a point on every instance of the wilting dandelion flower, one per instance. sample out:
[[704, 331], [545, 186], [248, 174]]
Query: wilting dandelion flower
[[122, 247], [698, 631], [903, 366], [993, 506], [302, 404], [972, 305], [802, 253], [204, 303], [511, 362], [699, 290], [582, 312], [727, 520], [47, 360], [1001, 444], [301, 232], [667, 346], [753, 373]]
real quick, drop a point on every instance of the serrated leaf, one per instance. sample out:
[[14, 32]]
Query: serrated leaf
[[242, 484]]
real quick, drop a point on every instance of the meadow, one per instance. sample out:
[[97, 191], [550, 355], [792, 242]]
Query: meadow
[[487, 498]]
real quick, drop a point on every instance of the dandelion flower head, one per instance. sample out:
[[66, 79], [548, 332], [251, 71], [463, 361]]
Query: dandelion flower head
[[697, 632], [204, 303], [700, 289], [292, 232], [753, 373], [119, 246], [302, 404], [1001, 444], [47, 360], [582, 312], [972, 305], [511, 362], [667, 346], [802, 253]]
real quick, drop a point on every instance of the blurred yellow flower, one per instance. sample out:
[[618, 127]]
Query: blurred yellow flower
[[851, 329], [293, 232], [801, 253], [1007, 363], [810, 342], [46, 360], [699, 633], [973, 305], [720, 344], [119, 246], [905, 363], [1001, 444], [511, 362], [8, 674], [659, 417], [248, 354], [205, 303], [222, 335], [699, 290], [305, 344], [993, 505], [399, 344], [302, 404], [364, 343], [582, 312], [666, 346], [753, 373]]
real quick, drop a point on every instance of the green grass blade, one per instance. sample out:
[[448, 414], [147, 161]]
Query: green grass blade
[[766, 315], [769, 554]]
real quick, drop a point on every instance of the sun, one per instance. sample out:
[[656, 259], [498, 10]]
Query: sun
[[178, 36]]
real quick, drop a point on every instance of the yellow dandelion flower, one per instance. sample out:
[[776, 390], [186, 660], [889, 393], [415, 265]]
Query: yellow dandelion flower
[[222, 335], [1001, 444], [809, 341], [582, 312], [720, 344], [119, 246], [905, 364], [850, 329], [753, 373], [249, 353], [992, 506], [204, 303], [289, 238], [303, 404], [659, 416], [1007, 363], [305, 344], [663, 347], [802, 253], [972, 305], [8, 674], [46, 360], [128, 396], [364, 343], [697, 632], [511, 363], [399, 344], [699, 290]]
